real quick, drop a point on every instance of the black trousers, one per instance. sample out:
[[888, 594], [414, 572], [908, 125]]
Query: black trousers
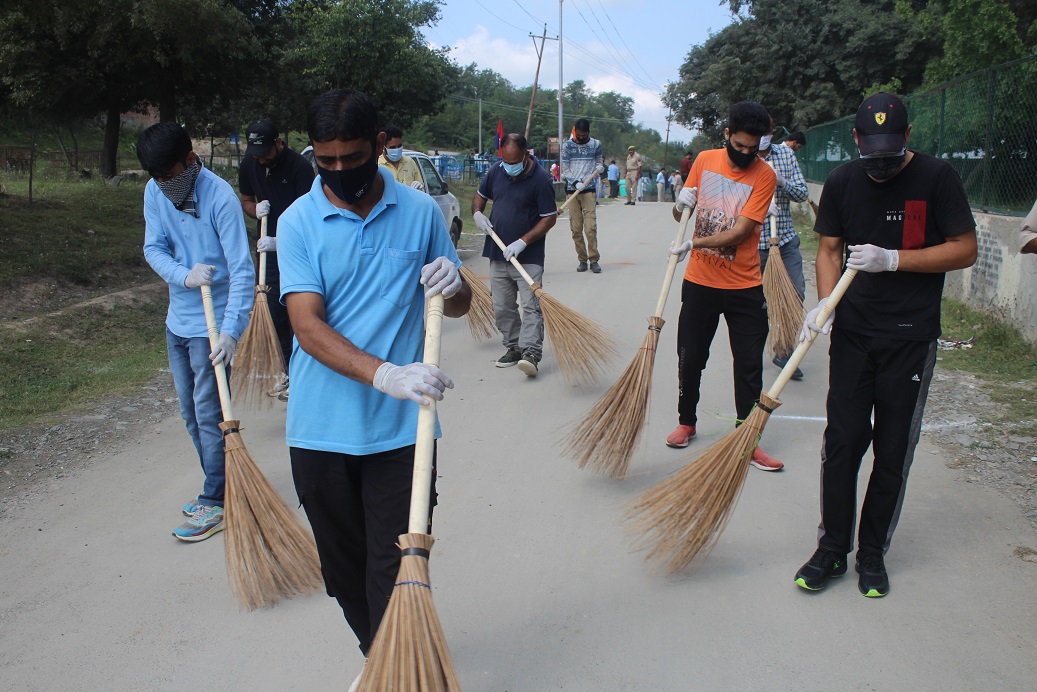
[[890, 379], [745, 312], [613, 189], [279, 315], [357, 507]]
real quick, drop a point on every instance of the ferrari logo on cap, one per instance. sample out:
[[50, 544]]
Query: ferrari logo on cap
[[880, 118]]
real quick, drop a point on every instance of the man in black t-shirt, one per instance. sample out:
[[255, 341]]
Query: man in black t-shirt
[[270, 178], [905, 220]]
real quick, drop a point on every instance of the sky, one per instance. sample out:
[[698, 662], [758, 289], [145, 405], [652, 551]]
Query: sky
[[634, 47]]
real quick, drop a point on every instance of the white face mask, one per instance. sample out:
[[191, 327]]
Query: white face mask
[[765, 142]]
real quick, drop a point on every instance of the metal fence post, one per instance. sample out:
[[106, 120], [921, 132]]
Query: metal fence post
[[987, 158], [939, 137]]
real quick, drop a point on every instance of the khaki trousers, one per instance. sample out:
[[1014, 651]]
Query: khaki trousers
[[583, 221]]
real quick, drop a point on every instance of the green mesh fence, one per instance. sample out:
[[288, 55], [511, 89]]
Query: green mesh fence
[[983, 124]]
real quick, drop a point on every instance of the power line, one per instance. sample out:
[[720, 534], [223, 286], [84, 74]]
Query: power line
[[499, 18], [615, 53], [551, 114], [632, 54]]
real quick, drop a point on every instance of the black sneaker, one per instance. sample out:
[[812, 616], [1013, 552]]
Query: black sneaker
[[528, 364], [512, 357], [824, 565], [595, 267], [581, 267], [780, 362], [873, 582]]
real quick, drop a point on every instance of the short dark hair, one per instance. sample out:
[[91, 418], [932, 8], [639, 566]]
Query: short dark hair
[[162, 146], [342, 114], [516, 139], [392, 132], [797, 136], [583, 125], [749, 117]]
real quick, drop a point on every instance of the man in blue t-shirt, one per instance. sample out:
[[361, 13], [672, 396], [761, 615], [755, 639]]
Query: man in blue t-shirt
[[524, 210], [613, 179], [359, 254]]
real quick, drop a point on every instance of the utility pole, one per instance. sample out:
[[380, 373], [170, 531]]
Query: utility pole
[[666, 146], [561, 84], [480, 126], [536, 80]]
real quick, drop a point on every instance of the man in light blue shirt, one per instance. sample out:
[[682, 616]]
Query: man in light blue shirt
[[195, 236], [613, 180], [359, 254]]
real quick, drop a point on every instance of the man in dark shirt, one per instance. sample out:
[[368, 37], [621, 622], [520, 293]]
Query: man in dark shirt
[[524, 210], [270, 178], [905, 220]]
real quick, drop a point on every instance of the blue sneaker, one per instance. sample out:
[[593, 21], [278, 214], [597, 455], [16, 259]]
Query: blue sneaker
[[206, 521], [190, 507]]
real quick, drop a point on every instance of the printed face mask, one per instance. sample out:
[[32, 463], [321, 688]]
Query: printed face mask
[[882, 167], [177, 189], [513, 169], [353, 184], [738, 158], [395, 154]]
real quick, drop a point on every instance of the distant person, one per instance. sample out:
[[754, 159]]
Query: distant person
[[796, 141], [403, 168], [270, 178], [676, 183], [686, 164], [613, 174], [1028, 233], [633, 173], [581, 158], [524, 210], [660, 185], [194, 235]]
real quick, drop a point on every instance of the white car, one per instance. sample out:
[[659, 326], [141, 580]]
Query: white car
[[434, 185]]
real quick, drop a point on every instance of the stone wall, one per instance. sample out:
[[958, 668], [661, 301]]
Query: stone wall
[[1003, 282]]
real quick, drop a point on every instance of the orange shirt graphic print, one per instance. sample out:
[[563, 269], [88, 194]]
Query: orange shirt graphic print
[[720, 202]]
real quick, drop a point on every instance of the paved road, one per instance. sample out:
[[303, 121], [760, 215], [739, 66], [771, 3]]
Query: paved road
[[534, 579]]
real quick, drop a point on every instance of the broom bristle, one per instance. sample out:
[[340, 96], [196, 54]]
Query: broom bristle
[[681, 518], [607, 436], [409, 653], [581, 345], [480, 316], [784, 306], [270, 555], [259, 364]]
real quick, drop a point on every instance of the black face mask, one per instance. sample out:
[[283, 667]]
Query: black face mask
[[353, 184], [882, 167], [582, 140], [738, 158]]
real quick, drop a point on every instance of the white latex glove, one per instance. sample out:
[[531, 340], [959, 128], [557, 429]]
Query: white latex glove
[[412, 381], [810, 323], [262, 208], [514, 249], [871, 258], [266, 244], [579, 186], [224, 351], [482, 223], [781, 182], [418, 186], [773, 211], [200, 275], [681, 250], [600, 168], [440, 276], [687, 198]]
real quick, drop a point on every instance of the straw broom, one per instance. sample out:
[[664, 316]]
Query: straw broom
[[480, 316], [784, 306], [582, 346], [682, 517], [269, 554], [409, 653], [259, 365], [607, 436]]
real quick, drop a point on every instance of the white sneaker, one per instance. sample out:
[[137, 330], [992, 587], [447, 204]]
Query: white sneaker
[[356, 683]]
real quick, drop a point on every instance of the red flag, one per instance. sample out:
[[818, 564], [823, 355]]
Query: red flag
[[500, 135]]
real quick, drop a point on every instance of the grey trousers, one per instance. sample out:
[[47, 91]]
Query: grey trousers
[[515, 309]]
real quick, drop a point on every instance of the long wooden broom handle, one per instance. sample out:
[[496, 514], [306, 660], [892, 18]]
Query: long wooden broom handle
[[262, 255], [797, 356], [774, 222], [221, 370], [573, 195], [425, 445], [671, 265], [522, 270]]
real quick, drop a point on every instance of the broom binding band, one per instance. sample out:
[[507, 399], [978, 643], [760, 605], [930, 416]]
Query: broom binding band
[[419, 552], [413, 582]]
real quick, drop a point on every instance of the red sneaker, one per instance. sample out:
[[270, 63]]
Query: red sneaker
[[765, 462], [681, 437]]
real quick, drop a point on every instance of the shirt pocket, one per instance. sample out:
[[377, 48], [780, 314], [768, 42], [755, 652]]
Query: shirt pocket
[[400, 275]]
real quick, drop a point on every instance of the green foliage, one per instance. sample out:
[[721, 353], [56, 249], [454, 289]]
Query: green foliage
[[976, 34]]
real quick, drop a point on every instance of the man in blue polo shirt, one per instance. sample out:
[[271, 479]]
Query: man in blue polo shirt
[[524, 210], [194, 236], [359, 254]]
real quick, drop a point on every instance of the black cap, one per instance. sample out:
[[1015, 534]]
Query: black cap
[[881, 124], [260, 136]]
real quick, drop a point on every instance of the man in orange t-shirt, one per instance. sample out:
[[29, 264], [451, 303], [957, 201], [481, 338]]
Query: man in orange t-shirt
[[731, 189]]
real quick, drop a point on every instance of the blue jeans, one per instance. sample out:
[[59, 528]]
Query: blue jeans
[[195, 382]]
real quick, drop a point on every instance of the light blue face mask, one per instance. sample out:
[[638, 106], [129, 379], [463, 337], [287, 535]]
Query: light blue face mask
[[513, 169], [394, 155]]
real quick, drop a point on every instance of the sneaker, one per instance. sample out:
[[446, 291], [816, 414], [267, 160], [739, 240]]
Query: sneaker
[[595, 267], [780, 362], [528, 364], [512, 357], [873, 582], [681, 437], [279, 388], [283, 396], [190, 507], [581, 267], [823, 565], [206, 521], [764, 461]]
